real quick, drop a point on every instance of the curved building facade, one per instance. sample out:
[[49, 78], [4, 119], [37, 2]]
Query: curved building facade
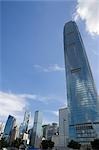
[[82, 96], [11, 121]]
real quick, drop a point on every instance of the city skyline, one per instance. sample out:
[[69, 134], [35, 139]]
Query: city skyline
[[32, 64]]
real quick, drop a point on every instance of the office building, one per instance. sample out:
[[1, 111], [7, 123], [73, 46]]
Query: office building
[[82, 96], [26, 120], [63, 127], [37, 133], [11, 121], [24, 125]]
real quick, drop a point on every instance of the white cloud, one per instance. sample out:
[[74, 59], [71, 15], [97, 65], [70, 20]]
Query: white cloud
[[9, 101], [56, 113], [28, 96], [16, 104], [11, 104], [43, 99], [89, 12], [50, 68]]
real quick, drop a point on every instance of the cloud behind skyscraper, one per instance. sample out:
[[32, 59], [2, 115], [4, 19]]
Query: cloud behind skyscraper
[[89, 12], [32, 33], [50, 68]]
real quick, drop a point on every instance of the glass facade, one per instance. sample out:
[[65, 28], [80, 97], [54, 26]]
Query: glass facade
[[9, 126], [82, 97], [37, 130], [24, 126]]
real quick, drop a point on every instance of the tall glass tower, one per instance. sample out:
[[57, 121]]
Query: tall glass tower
[[37, 130], [9, 126], [24, 125], [82, 96]]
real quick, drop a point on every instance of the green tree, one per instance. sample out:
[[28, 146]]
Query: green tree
[[95, 144], [16, 143], [73, 144], [50, 144], [44, 144], [3, 143]]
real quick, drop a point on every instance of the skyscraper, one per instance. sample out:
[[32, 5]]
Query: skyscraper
[[24, 125], [81, 92], [9, 126], [37, 133], [26, 119]]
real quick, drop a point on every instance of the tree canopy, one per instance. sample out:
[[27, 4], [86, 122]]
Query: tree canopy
[[3, 143], [73, 144], [95, 144], [45, 144]]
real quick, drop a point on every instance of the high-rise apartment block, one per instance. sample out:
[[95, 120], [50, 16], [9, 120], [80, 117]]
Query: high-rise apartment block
[[63, 127], [82, 96]]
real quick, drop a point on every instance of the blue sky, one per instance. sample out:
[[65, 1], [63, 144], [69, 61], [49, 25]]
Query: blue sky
[[32, 54]]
